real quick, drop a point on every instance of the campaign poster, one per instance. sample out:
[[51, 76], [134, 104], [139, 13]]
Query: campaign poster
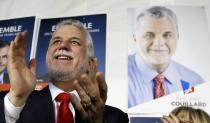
[[148, 49], [145, 120], [10, 27], [95, 24]]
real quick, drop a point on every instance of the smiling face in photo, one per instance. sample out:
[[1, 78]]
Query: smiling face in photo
[[156, 40]]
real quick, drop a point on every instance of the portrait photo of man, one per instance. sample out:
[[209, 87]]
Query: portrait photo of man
[[152, 73], [4, 46]]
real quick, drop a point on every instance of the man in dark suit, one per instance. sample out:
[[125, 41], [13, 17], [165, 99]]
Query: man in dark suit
[[6, 78], [73, 77], [4, 46]]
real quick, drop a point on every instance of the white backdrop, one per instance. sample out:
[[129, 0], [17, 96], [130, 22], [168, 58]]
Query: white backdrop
[[117, 30]]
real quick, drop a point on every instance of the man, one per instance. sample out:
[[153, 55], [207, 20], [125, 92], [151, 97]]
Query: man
[[151, 72], [73, 77], [4, 46]]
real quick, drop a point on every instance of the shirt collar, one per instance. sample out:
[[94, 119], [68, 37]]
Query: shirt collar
[[171, 73], [147, 73], [1, 77], [55, 91]]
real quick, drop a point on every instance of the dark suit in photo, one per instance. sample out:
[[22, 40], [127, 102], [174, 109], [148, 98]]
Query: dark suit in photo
[[6, 78]]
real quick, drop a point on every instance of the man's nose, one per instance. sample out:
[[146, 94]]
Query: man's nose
[[65, 45], [159, 40]]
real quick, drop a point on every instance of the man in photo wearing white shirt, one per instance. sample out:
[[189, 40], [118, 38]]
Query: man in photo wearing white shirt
[[151, 71]]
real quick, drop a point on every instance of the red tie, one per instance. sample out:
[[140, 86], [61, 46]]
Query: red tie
[[159, 86], [64, 114]]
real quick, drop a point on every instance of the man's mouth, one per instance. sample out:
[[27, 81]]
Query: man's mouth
[[159, 50], [63, 57]]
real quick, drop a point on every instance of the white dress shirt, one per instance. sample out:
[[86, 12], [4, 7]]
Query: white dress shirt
[[141, 79], [2, 78]]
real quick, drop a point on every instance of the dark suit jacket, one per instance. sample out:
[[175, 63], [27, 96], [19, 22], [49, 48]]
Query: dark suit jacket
[[39, 109], [6, 78]]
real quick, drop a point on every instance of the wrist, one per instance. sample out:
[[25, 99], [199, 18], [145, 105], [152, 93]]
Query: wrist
[[17, 100]]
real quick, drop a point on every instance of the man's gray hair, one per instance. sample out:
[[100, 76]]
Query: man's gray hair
[[159, 12], [80, 25]]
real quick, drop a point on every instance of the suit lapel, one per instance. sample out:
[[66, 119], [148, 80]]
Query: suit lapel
[[39, 108], [6, 78], [47, 106], [2, 116]]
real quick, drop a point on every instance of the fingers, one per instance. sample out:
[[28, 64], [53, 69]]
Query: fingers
[[32, 66], [88, 92], [93, 65], [17, 47], [86, 101], [170, 119], [77, 106], [174, 118], [82, 93], [92, 68], [96, 89], [163, 120], [21, 39], [91, 105], [89, 85], [102, 85], [10, 52]]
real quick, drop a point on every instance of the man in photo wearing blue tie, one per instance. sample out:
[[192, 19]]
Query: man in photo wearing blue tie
[[76, 93], [151, 71]]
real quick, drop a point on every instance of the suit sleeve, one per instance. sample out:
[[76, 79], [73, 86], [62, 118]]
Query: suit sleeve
[[2, 115], [115, 115]]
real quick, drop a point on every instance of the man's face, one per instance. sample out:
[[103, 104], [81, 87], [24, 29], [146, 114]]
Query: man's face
[[67, 52], [156, 40], [3, 58]]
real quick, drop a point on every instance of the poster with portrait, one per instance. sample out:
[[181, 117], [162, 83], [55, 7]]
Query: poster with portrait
[[170, 41], [145, 120], [10, 27], [95, 24]]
